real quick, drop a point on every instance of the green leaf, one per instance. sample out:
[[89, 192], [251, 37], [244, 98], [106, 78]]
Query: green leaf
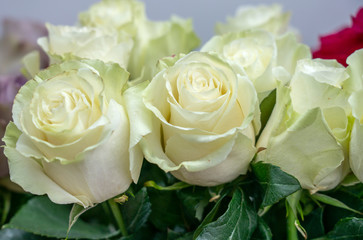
[[179, 235], [175, 186], [42, 217], [356, 189], [262, 232], [313, 223], [275, 183], [332, 201], [136, 211], [238, 222], [347, 228], [166, 209], [143, 233], [209, 218], [194, 200], [16, 234], [349, 196], [275, 218]]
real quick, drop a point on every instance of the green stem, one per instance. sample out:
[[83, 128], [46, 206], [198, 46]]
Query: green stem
[[117, 214], [291, 228]]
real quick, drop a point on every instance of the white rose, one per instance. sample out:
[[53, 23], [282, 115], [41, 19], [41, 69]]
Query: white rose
[[65, 42], [71, 134], [264, 57], [307, 134], [266, 17], [355, 62], [122, 15], [152, 39], [201, 125]]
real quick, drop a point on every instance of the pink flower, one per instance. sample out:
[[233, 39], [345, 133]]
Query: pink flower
[[341, 44]]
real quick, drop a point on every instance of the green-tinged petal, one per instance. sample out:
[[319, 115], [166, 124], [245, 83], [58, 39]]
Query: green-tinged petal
[[122, 15], [355, 102], [248, 101], [115, 79], [168, 61], [22, 99], [308, 151], [278, 121], [340, 126], [266, 17], [318, 83], [31, 63], [290, 51], [355, 150], [152, 147], [355, 71], [156, 40], [140, 125], [66, 42]]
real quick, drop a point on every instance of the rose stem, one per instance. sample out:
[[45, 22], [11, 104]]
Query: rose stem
[[291, 228], [117, 214]]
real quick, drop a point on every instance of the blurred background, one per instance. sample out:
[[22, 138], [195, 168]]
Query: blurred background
[[311, 17]]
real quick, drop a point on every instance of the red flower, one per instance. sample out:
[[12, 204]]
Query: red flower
[[341, 44]]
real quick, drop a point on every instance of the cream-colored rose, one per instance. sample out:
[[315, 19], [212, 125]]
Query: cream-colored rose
[[265, 58], [122, 15], [355, 62], [65, 42], [307, 134], [155, 40], [152, 39], [201, 119], [70, 137], [266, 17]]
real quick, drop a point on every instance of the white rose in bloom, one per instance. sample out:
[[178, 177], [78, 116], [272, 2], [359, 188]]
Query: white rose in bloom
[[266, 17], [122, 15], [152, 40], [65, 42], [355, 62], [201, 125], [263, 57], [307, 134], [71, 134], [155, 40]]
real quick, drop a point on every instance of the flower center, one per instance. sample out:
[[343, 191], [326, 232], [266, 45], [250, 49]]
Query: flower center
[[63, 104]]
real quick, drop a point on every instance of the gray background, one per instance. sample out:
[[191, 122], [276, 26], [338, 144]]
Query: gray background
[[311, 17]]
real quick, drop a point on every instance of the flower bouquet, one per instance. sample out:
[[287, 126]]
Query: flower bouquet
[[119, 128]]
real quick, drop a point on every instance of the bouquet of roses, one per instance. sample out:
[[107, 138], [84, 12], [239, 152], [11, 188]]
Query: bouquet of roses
[[131, 133]]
